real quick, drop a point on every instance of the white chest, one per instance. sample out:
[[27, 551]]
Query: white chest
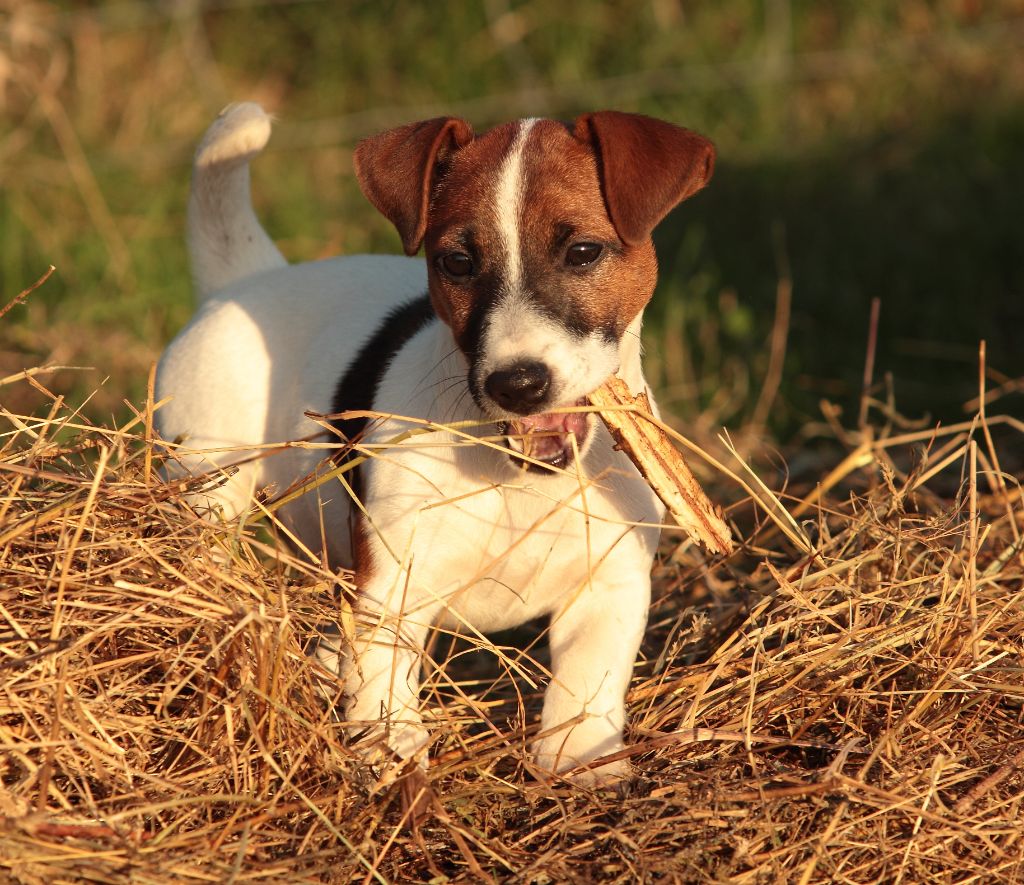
[[498, 553]]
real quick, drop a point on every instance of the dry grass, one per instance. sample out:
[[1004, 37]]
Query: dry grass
[[851, 714]]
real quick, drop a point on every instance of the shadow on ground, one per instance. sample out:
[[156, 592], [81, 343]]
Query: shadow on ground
[[929, 221]]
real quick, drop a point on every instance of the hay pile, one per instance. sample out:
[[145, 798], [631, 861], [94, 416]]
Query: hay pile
[[841, 701]]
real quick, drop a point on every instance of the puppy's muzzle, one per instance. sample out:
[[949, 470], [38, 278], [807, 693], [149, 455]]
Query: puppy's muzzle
[[550, 438]]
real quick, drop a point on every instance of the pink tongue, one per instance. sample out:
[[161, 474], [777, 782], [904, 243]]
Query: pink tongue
[[545, 437], [543, 423], [549, 422]]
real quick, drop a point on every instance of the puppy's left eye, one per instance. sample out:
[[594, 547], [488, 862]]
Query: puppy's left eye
[[582, 254]]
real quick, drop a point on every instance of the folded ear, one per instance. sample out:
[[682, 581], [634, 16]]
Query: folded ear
[[647, 167], [396, 171]]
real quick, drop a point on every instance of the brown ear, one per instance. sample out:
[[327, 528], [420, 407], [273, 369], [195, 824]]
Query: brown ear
[[647, 167], [396, 169]]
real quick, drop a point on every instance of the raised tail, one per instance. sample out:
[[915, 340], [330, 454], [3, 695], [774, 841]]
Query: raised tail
[[226, 241]]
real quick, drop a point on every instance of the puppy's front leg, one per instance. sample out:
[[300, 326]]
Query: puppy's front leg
[[382, 675], [594, 643]]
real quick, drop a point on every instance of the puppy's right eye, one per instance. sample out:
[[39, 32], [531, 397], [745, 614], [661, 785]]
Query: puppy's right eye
[[457, 266], [582, 254]]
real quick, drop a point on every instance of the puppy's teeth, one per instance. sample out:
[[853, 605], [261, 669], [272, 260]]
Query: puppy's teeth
[[515, 443]]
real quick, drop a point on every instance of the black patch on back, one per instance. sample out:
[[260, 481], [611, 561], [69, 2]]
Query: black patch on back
[[357, 388]]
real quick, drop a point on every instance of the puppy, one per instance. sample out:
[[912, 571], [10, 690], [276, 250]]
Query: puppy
[[538, 265]]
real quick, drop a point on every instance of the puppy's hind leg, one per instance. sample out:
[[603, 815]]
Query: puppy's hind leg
[[226, 241]]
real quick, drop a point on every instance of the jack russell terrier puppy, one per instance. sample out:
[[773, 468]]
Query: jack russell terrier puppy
[[539, 263]]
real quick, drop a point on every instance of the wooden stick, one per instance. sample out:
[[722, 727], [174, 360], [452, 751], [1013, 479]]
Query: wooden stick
[[661, 464]]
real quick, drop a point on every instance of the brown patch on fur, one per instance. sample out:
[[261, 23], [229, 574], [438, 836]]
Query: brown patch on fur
[[362, 552], [396, 171], [462, 218], [607, 180], [562, 191], [648, 167]]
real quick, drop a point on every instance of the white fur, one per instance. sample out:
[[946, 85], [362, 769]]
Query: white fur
[[508, 204], [517, 331], [464, 539]]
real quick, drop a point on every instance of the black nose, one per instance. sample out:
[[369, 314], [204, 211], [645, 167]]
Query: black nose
[[520, 388]]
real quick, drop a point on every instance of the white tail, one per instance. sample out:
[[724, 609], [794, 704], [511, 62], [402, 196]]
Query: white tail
[[225, 240]]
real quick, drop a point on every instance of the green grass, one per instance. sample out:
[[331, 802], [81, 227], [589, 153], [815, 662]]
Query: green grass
[[871, 147], [923, 219]]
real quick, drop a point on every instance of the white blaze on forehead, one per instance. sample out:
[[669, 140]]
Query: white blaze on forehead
[[508, 202]]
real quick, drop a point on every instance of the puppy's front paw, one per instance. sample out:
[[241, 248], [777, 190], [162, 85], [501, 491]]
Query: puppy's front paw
[[374, 737], [391, 742], [555, 755]]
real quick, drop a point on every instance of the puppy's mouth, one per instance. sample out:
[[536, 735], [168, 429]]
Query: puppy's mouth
[[550, 438]]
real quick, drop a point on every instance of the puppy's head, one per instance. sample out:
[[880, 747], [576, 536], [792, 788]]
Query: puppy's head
[[538, 244]]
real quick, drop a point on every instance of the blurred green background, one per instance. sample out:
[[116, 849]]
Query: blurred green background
[[867, 149]]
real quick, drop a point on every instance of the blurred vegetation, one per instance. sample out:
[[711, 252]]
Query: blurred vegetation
[[867, 148]]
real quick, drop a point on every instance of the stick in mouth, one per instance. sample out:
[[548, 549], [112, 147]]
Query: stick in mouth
[[661, 464]]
